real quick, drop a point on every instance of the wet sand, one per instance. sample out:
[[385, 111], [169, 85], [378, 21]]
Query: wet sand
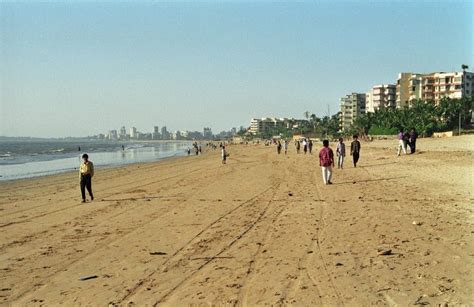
[[261, 230]]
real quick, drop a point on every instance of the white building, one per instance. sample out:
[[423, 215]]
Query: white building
[[133, 133], [380, 96], [267, 124]]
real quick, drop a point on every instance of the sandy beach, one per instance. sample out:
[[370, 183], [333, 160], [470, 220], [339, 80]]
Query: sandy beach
[[261, 230]]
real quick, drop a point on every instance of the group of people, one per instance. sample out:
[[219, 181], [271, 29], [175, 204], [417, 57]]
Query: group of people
[[326, 156], [327, 161], [197, 149], [307, 145], [407, 139]]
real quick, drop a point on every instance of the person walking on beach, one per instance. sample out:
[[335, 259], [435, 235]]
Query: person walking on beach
[[326, 161], [340, 153], [401, 143], [223, 154], [310, 146], [278, 147], [406, 140], [305, 146], [286, 147], [355, 150], [298, 146], [413, 137], [86, 172]]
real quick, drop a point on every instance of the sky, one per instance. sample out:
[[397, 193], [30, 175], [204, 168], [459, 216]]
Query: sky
[[79, 68]]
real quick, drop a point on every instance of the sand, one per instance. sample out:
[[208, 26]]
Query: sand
[[261, 230]]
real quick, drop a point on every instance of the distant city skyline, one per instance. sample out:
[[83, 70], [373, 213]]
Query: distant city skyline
[[82, 68]]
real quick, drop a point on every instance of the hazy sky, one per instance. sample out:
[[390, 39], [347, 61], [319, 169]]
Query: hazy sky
[[77, 68]]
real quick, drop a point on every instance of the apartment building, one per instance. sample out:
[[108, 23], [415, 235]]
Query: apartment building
[[380, 96], [434, 86], [403, 89], [266, 124], [262, 125], [352, 106]]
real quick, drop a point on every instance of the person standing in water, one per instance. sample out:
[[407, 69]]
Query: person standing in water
[[340, 153], [326, 161], [86, 172], [355, 150]]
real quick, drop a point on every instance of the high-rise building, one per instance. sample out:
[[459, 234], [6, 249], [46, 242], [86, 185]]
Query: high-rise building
[[403, 89], [380, 97], [165, 135], [434, 86], [133, 133], [352, 106], [112, 135], [207, 133], [156, 133], [123, 132]]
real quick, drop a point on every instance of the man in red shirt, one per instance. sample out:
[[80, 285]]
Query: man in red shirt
[[326, 161]]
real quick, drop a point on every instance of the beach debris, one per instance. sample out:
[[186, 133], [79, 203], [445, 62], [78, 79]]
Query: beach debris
[[384, 252], [88, 277], [420, 301], [384, 289], [157, 253], [417, 223], [290, 194], [339, 264]]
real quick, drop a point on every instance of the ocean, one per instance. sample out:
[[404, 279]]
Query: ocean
[[31, 158]]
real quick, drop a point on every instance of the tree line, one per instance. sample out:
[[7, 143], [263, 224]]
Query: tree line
[[424, 116]]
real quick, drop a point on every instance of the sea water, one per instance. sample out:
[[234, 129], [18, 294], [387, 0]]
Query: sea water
[[24, 159]]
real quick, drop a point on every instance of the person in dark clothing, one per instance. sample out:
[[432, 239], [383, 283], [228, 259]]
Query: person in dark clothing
[[310, 146], [86, 172], [279, 147], [406, 140], [355, 150], [412, 140]]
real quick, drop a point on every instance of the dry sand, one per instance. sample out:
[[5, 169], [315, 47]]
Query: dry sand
[[261, 230]]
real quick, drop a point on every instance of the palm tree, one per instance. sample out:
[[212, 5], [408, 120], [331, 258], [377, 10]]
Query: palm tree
[[464, 67], [306, 114]]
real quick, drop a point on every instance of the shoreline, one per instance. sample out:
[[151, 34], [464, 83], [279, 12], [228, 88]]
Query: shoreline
[[102, 167]]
